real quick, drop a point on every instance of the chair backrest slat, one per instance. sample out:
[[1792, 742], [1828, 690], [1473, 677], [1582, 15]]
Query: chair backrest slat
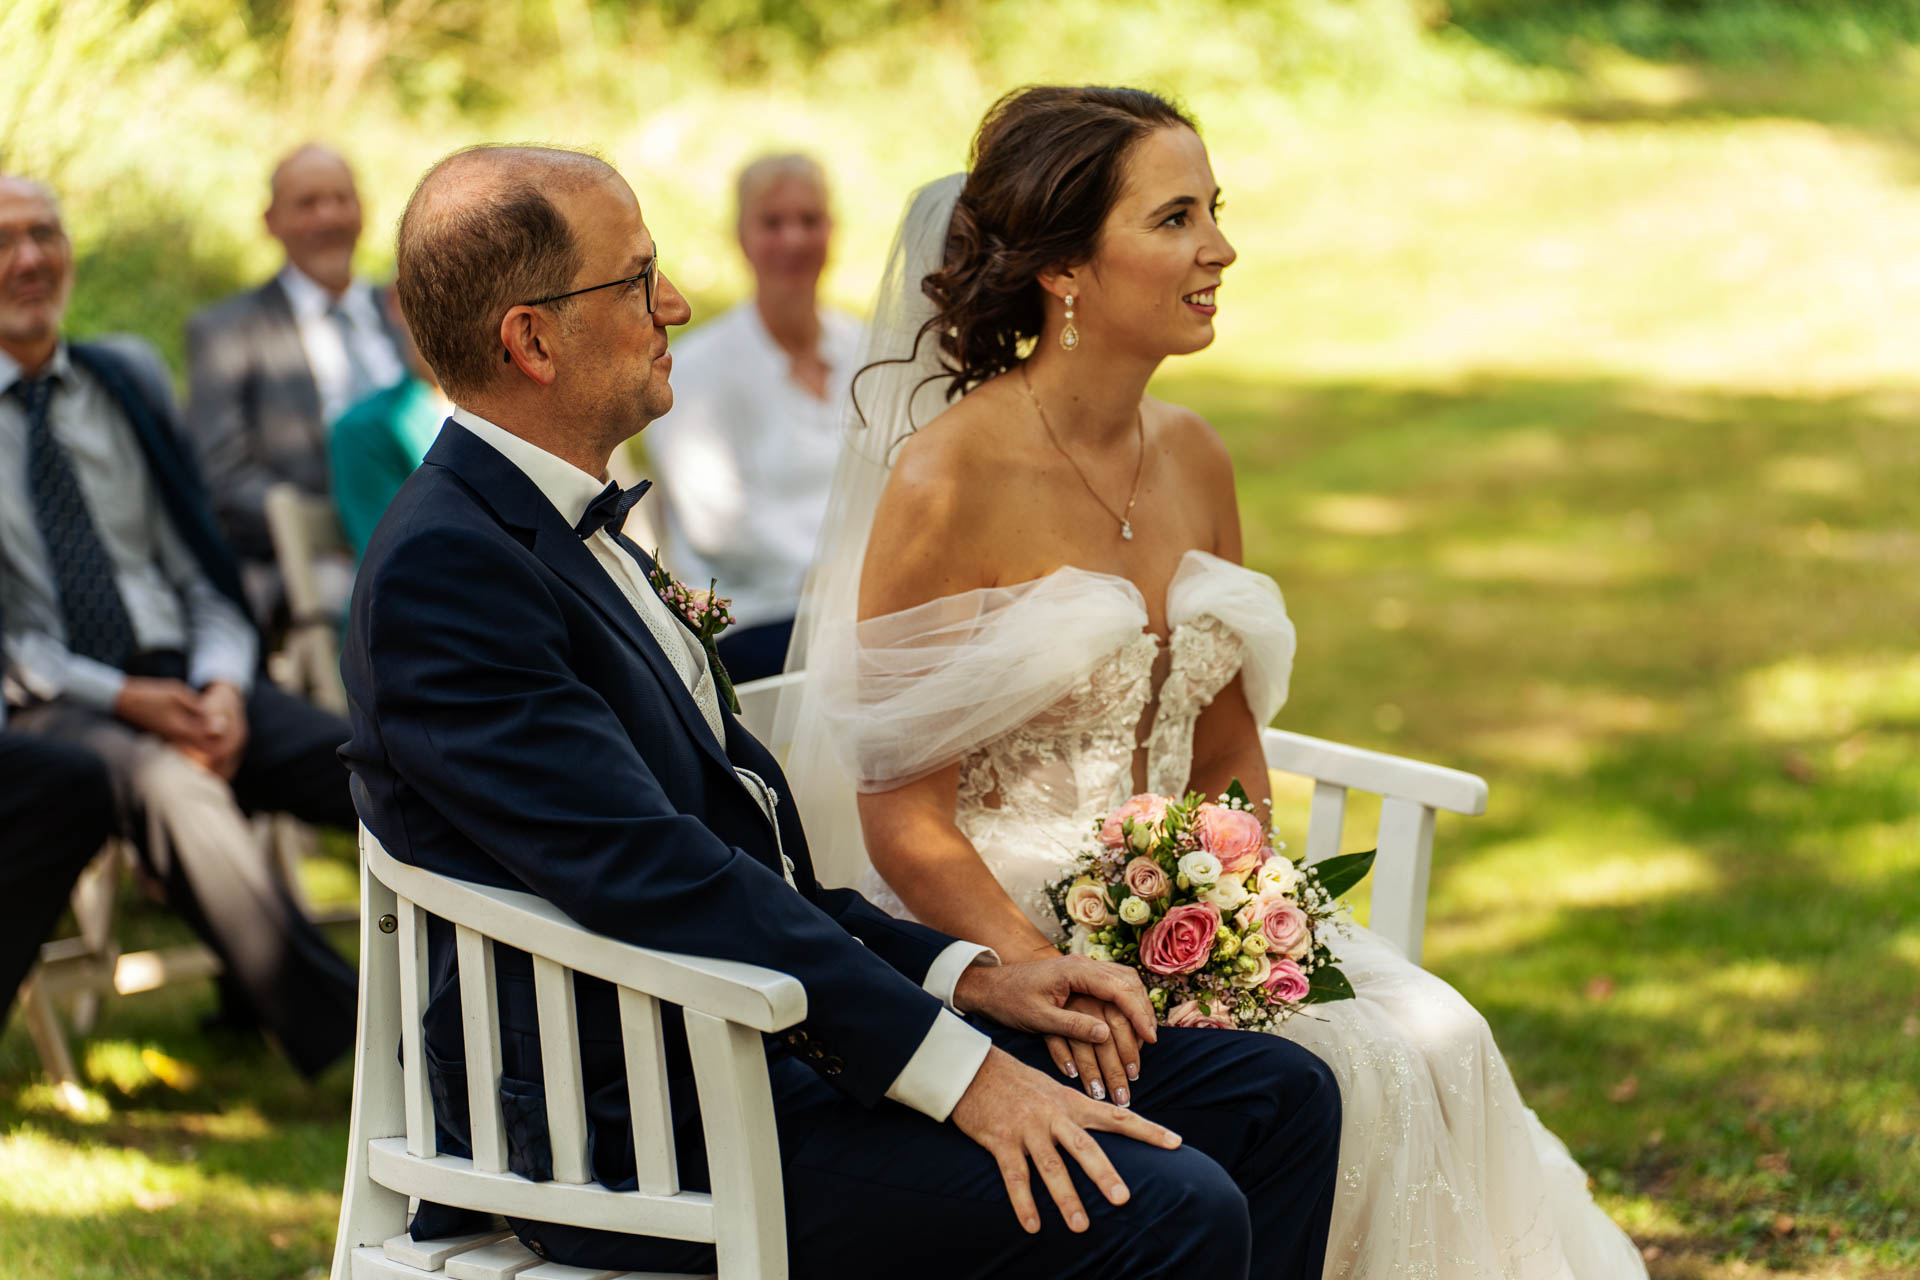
[[560, 1065], [1325, 820], [743, 1150], [1399, 908], [653, 1151], [480, 1023], [413, 1007]]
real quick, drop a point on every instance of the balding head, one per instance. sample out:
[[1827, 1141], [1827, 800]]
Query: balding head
[[36, 270], [481, 235], [314, 212]]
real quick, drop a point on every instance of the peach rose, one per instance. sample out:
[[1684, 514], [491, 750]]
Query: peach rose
[[1144, 809], [1182, 939], [1283, 922], [1087, 904], [1285, 981], [1187, 1014], [1145, 879], [1232, 835]]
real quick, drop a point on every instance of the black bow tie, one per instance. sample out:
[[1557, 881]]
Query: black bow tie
[[609, 509]]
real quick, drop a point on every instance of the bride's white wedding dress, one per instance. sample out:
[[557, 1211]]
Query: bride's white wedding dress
[[1042, 692]]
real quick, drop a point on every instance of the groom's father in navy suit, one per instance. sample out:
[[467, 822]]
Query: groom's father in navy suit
[[528, 713]]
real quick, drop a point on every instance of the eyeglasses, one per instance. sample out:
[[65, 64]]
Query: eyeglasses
[[648, 274], [47, 237]]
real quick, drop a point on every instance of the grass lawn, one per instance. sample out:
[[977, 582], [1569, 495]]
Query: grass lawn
[[1584, 445]]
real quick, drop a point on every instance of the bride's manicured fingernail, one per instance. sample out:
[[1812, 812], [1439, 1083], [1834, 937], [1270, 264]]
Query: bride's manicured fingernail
[[1133, 1071], [1073, 1072], [1098, 1090], [1122, 1097]]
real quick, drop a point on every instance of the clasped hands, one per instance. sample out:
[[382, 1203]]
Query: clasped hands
[[208, 726], [1095, 1017]]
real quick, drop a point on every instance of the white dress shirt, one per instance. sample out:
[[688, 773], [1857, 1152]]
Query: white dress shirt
[[948, 1058], [746, 457], [170, 601], [322, 340]]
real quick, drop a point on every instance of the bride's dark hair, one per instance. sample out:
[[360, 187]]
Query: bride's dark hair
[[1043, 173]]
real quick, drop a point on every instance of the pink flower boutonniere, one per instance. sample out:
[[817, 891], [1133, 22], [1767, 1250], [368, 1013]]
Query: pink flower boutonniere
[[705, 613]]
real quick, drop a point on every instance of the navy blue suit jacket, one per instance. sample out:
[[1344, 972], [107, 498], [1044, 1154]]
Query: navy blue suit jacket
[[515, 724]]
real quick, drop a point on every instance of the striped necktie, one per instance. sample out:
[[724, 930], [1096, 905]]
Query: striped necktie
[[96, 617]]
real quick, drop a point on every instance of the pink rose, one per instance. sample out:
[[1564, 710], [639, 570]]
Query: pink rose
[[1187, 1014], [1145, 879], [1232, 835], [1087, 905], [1283, 923], [1182, 940], [1144, 808], [1286, 982]]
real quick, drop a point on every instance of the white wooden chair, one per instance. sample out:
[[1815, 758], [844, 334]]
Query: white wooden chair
[[391, 1152], [308, 547], [1410, 792]]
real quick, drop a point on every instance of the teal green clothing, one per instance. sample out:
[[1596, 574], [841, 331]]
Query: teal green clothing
[[374, 447]]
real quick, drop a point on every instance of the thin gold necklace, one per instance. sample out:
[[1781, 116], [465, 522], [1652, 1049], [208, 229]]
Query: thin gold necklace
[[1133, 495]]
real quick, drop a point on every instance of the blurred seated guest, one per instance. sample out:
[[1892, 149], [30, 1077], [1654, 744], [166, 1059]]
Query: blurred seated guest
[[55, 807], [270, 369], [377, 443], [746, 456], [126, 634]]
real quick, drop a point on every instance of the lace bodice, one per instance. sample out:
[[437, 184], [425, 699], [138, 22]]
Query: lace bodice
[[1066, 704]]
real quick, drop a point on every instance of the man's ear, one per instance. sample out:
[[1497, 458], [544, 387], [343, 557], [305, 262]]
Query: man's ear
[[524, 332]]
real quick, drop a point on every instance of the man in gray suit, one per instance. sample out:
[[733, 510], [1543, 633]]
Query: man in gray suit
[[270, 369]]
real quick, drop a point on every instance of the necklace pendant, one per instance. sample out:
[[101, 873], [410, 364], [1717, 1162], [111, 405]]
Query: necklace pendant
[[1126, 530]]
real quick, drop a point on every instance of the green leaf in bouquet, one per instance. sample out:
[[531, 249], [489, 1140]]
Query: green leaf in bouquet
[[1327, 984], [1341, 873], [1238, 793]]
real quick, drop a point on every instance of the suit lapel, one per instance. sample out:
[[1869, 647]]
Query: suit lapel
[[518, 501]]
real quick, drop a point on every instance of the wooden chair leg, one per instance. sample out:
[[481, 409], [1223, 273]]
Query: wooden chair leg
[[50, 1042]]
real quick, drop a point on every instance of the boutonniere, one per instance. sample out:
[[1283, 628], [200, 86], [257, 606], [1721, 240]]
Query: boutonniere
[[705, 613]]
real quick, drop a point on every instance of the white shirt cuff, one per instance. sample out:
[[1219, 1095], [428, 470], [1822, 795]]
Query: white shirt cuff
[[942, 1068], [943, 975]]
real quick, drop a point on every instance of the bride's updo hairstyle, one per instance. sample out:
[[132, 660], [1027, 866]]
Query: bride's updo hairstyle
[[1044, 172]]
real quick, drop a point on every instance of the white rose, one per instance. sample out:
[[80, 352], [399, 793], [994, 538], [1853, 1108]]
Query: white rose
[[1100, 953], [1262, 966], [1080, 941], [1229, 895], [1254, 944], [1135, 911], [1200, 867], [1278, 875]]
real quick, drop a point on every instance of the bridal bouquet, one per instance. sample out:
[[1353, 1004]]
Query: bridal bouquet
[[1226, 929]]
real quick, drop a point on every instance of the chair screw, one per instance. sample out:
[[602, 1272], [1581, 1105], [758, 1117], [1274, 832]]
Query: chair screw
[[388, 924]]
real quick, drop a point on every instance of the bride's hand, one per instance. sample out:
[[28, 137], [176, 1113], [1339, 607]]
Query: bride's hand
[[1103, 1068]]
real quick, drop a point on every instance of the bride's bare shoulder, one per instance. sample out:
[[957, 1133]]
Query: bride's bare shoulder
[[936, 514], [1190, 444], [951, 455]]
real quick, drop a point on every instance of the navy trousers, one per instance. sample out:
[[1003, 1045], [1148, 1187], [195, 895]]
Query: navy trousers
[[55, 812], [887, 1192]]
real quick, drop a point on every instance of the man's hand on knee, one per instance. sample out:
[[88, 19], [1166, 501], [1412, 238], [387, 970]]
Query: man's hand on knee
[[1021, 1117]]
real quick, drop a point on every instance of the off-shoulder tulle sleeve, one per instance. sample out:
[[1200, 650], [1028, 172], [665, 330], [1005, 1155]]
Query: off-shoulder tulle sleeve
[[1248, 604], [908, 693]]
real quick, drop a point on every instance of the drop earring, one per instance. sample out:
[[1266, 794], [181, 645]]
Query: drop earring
[[1069, 336]]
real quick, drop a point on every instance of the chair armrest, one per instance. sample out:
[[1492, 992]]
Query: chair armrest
[[760, 998], [1375, 771]]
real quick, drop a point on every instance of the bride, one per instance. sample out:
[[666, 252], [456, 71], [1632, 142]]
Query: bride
[[1029, 605]]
